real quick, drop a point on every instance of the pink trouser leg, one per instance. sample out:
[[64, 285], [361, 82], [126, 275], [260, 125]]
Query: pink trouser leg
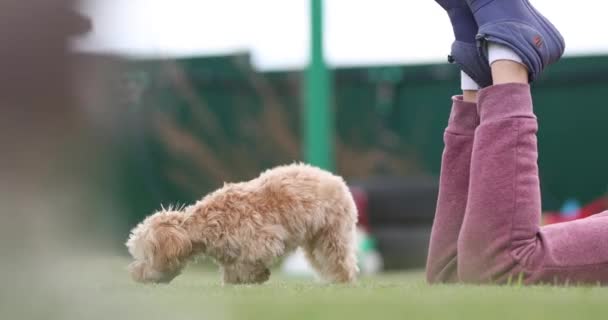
[[453, 186], [500, 237]]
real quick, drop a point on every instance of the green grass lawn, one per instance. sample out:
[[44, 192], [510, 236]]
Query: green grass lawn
[[104, 291]]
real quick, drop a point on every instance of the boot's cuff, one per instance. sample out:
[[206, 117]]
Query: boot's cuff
[[463, 118], [509, 100]]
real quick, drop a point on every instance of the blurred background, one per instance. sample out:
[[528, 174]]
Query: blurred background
[[111, 108]]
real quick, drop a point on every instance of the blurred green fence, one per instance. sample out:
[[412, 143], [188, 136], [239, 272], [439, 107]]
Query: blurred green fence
[[194, 123]]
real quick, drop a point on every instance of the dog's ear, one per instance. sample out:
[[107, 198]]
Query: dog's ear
[[172, 246]]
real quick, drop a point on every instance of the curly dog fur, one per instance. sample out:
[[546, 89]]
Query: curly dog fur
[[245, 227]]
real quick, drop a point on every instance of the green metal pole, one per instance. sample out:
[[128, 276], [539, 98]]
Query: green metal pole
[[318, 116]]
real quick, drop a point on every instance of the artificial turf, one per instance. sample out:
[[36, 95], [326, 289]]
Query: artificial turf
[[106, 292]]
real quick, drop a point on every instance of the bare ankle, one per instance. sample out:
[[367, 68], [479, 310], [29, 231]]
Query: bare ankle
[[507, 71], [469, 96]]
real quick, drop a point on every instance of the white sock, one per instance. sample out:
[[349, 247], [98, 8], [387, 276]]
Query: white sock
[[497, 51], [467, 83]]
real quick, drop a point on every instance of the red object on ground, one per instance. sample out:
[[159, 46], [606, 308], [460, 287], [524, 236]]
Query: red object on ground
[[590, 209], [361, 201], [594, 207]]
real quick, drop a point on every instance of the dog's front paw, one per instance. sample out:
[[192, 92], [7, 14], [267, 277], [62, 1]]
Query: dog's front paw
[[244, 274], [262, 276], [253, 276], [229, 275]]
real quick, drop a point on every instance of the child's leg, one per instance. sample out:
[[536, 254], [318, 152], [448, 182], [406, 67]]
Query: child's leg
[[500, 237], [453, 185]]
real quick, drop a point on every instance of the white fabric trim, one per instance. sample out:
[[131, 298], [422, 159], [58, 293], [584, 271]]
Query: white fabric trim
[[467, 83], [497, 51]]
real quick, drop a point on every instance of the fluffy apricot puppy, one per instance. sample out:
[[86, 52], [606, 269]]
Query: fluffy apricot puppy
[[245, 227]]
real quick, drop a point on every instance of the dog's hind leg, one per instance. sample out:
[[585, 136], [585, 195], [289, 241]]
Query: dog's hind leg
[[309, 252], [334, 254]]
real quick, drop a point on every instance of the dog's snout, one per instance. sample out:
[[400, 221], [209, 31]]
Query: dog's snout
[[166, 278]]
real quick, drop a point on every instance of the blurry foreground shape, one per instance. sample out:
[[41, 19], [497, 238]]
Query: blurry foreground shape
[[41, 127], [49, 167]]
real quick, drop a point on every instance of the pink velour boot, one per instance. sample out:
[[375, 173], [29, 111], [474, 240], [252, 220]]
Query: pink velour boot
[[500, 238], [453, 186]]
